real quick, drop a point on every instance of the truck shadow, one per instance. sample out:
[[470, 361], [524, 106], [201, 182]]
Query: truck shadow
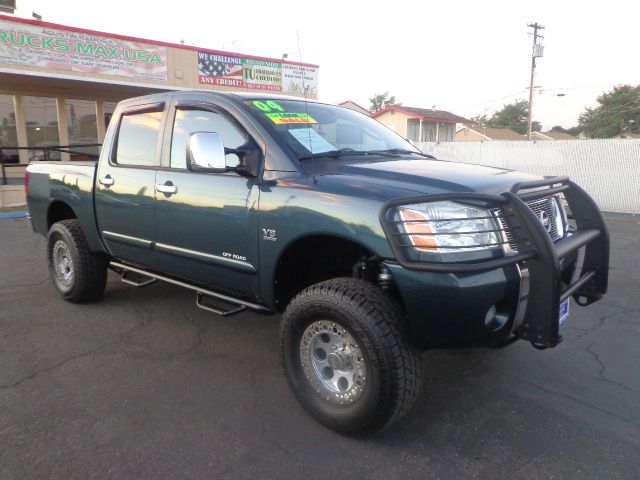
[[515, 393]]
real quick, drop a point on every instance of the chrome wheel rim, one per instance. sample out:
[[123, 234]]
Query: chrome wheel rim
[[333, 362], [62, 262]]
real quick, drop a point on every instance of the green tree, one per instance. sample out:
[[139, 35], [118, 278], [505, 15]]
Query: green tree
[[514, 116], [618, 112], [382, 100], [480, 120]]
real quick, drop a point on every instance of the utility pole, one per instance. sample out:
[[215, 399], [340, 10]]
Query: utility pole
[[536, 51]]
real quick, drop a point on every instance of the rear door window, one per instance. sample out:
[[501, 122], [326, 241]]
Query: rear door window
[[138, 139]]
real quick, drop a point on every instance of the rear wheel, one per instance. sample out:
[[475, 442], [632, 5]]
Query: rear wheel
[[347, 357], [77, 273]]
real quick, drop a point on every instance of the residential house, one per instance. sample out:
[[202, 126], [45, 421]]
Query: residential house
[[351, 105], [635, 135], [551, 136], [484, 134], [420, 124]]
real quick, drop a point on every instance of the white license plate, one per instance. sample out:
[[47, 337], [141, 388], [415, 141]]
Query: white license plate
[[564, 311]]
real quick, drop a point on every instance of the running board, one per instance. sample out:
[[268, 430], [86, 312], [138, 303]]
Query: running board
[[210, 308], [201, 293], [136, 279]]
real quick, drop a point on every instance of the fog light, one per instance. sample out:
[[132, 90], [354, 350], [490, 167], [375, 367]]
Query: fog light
[[495, 320], [490, 317]]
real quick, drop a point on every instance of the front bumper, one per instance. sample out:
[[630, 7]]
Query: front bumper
[[528, 285], [447, 309]]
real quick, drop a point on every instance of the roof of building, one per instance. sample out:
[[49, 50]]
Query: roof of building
[[425, 114], [358, 108], [553, 135], [493, 133]]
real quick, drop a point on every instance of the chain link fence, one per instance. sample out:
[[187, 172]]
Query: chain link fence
[[608, 169]]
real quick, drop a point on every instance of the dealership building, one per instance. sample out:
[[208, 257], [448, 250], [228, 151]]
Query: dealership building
[[59, 85]]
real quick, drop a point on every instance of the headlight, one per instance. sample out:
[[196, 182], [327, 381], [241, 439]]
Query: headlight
[[442, 227]]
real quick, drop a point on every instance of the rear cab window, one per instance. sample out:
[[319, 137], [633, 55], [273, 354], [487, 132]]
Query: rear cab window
[[138, 139]]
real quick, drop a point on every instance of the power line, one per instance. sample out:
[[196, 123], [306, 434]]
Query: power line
[[579, 87], [610, 114], [617, 108], [487, 102]]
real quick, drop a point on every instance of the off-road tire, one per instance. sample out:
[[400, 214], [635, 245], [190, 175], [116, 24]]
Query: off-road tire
[[393, 366], [89, 270]]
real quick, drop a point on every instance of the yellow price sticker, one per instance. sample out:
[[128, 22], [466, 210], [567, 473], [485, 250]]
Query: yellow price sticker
[[282, 118]]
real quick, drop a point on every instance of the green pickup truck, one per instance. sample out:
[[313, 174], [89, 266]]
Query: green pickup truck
[[372, 250]]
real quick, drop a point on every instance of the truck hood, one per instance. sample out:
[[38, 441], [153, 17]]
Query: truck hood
[[435, 176]]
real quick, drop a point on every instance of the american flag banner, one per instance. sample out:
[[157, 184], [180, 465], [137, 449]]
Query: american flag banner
[[224, 70]]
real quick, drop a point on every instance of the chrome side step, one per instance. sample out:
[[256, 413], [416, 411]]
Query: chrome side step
[[136, 279], [129, 274], [210, 308]]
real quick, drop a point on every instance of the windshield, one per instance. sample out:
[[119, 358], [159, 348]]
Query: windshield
[[315, 130]]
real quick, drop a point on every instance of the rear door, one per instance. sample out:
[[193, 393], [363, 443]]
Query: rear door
[[207, 223], [125, 190]]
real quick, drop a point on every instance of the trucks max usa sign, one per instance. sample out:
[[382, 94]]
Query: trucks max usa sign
[[79, 52]]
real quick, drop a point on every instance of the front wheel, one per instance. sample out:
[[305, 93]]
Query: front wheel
[[347, 358], [77, 273]]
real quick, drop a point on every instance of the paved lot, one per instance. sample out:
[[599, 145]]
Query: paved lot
[[145, 385]]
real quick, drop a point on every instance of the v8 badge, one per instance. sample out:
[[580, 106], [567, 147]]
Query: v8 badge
[[269, 234]]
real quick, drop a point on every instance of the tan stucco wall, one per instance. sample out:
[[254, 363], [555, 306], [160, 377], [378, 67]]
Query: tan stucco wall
[[12, 196], [394, 120], [466, 135]]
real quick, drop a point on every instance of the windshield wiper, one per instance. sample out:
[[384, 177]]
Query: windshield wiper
[[402, 151], [346, 151]]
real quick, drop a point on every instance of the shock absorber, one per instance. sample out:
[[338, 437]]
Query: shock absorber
[[385, 280]]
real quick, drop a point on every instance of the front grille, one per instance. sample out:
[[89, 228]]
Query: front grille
[[537, 206]]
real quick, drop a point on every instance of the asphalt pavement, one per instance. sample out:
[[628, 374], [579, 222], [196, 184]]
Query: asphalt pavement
[[144, 385]]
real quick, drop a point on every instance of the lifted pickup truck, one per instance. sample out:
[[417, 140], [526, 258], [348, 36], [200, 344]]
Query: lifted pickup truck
[[371, 249]]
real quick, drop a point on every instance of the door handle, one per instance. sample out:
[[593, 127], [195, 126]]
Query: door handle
[[167, 188], [107, 181]]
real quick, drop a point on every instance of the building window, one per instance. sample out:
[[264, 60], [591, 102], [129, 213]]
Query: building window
[[108, 109], [8, 132], [41, 119], [413, 130], [82, 128]]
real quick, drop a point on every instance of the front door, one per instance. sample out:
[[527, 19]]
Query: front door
[[207, 223], [125, 194]]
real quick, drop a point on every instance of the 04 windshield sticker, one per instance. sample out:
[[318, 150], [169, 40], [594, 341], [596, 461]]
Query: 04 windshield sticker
[[277, 114]]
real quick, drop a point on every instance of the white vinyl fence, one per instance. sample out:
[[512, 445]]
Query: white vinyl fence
[[609, 170]]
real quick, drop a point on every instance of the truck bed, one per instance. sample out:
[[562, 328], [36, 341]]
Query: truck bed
[[55, 183]]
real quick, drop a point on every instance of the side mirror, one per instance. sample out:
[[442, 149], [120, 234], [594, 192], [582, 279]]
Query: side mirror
[[205, 153]]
